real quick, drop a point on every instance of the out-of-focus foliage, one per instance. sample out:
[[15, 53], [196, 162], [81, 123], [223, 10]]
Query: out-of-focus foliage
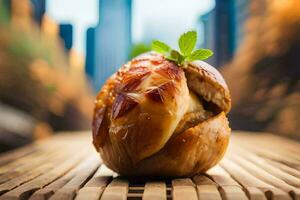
[[3, 14], [264, 77], [138, 49], [36, 76]]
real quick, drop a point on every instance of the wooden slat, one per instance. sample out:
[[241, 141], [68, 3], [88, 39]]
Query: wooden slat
[[209, 192], [95, 187], [43, 168], [68, 191], [284, 167], [265, 150], [206, 188], [221, 177], [15, 154], [43, 152], [232, 193], [268, 178], [155, 191], [183, 189], [264, 164], [116, 190], [273, 140], [25, 190], [20, 163], [268, 142], [229, 188], [201, 179], [67, 167], [250, 181], [49, 190], [21, 168], [255, 193]]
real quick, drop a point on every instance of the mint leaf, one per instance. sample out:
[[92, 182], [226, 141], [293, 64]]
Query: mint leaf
[[200, 54], [176, 56], [187, 42], [170, 58], [160, 47]]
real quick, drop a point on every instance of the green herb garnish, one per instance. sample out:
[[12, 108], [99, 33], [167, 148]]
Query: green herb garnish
[[186, 43]]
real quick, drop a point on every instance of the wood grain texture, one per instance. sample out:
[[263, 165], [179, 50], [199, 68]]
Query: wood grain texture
[[256, 166], [116, 190], [96, 185], [155, 191], [184, 189]]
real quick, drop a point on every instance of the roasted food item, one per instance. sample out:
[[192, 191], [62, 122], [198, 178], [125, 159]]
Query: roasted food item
[[155, 118]]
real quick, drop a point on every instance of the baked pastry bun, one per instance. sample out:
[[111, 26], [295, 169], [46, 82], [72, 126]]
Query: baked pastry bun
[[155, 118]]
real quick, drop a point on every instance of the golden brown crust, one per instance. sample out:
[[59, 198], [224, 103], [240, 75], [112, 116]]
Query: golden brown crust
[[138, 112], [207, 82], [143, 103], [195, 150]]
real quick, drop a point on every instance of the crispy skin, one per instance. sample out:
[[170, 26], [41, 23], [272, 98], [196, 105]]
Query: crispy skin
[[195, 150], [147, 121], [208, 83]]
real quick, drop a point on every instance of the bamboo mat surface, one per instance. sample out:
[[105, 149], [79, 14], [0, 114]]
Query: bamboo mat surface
[[66, 166]]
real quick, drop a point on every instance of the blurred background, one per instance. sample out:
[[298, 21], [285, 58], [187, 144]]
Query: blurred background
[[56, 54]]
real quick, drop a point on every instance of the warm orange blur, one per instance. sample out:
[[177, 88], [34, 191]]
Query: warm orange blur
[[264, 77], [39, 78]]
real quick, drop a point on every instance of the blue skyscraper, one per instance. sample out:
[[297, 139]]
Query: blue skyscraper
[[90, 53], [241, 10], [66, 33], [39, 8], [223, 29], [113, 38], [209, 28]]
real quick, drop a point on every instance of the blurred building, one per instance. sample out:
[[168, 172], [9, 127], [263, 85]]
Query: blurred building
[[21, 13], [66, 34], [39, 8], [113, 38], [26, 12], [39, 88], [90, 53], [241, 15], [223, 29]]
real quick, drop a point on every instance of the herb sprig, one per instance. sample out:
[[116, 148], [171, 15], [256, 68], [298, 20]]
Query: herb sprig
[[186, 43]]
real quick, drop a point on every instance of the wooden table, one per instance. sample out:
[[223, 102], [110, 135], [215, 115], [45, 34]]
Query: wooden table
[[67, 167]]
